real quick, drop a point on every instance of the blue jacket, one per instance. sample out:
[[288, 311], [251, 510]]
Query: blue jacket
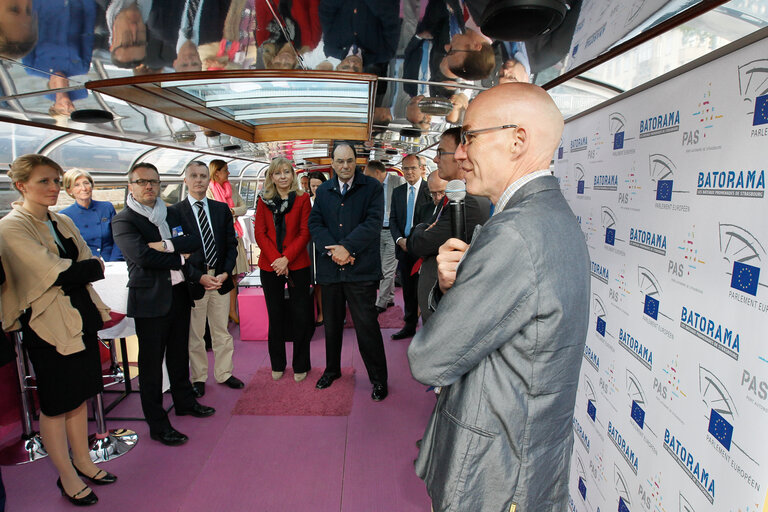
[[354, 221], [95, 224], [65, 41]]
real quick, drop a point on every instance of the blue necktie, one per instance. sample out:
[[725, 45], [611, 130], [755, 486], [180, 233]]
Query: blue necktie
[[344, 189], [409, 216]]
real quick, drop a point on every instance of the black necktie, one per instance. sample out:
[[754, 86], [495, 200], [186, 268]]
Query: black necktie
[[208, 243]]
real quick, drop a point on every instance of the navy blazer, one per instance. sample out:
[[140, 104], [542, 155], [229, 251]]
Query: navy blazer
[[373, 25], [149, 277], [399, 211], [354, 221], [224, 237]]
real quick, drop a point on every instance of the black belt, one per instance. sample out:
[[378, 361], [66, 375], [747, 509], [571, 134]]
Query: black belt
[[385, 227]]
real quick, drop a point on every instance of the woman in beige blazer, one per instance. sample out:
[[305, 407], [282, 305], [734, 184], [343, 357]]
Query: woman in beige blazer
[[47, 295]]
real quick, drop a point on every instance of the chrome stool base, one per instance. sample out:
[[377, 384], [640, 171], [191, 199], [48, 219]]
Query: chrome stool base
[[116, 443], [27, 449]]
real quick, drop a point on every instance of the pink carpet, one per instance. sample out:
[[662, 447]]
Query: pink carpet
[[285, 397], [392, 318]]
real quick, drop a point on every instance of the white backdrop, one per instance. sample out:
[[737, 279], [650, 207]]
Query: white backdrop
[[669, 187]]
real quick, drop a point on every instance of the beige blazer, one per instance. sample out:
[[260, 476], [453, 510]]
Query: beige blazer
[[32, 264]]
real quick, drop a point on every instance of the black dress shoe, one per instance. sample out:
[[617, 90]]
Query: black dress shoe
[[403, 333], [170, 437], [198, 388], [234, 382], [78, 499], [107, 478], [379, 392], [197, 410], [326, 380]]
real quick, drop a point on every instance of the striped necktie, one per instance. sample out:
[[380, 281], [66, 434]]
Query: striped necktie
[[208, 243]]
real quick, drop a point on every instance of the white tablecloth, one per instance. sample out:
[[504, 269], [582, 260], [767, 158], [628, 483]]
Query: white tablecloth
[[114, 293]]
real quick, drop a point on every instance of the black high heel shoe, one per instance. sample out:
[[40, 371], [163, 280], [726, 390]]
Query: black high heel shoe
[[88, 499], [108, 477]]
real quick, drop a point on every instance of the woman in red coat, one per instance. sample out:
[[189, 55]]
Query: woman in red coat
[[282, 233]]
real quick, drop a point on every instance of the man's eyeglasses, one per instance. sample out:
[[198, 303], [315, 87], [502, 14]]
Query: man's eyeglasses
[[144, 183], [467, 136], [437, 195], [441, 153]]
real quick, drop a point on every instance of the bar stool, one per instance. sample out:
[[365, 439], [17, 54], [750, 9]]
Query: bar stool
[[30, 447], [110, 444]]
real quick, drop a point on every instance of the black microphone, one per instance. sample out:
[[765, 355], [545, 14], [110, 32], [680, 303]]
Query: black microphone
[[455, 191]]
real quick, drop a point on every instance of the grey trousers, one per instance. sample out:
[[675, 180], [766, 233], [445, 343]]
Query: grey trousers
[[388, 268]]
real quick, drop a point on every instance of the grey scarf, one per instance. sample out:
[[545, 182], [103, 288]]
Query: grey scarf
[[155, 215]]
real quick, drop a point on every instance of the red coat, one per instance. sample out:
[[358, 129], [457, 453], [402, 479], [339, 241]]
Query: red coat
[[296, 235]]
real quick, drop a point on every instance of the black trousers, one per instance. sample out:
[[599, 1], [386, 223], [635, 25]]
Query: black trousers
[[165, 336], [361, 298], [297, 319], [410, 285]]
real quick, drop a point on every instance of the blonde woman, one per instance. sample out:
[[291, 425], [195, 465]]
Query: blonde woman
[[93, 218], [282, 232], [220, 189], [48, 296]]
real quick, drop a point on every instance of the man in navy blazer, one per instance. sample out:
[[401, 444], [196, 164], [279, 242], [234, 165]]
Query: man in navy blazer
[[210, 272], [408, 201], [156, 251], [346, 225]]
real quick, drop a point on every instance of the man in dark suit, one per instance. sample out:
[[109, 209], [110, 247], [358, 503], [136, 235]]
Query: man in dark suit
[[156, 249], [346, 225], [426, 238], [210, 273], [408, 201]]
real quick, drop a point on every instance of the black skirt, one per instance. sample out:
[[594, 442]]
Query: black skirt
[[63, 382]]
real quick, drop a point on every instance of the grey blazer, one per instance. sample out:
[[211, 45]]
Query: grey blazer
[[506, 344], [393, 181]]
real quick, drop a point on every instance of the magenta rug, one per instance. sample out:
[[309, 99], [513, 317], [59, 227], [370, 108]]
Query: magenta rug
[[392, 318], [266, 397]]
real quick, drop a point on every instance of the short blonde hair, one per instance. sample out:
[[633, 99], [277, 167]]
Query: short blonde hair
[[71, 176], [270, 190], [22, 167]]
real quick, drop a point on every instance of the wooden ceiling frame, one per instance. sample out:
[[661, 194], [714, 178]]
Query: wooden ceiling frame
[[147, 91]]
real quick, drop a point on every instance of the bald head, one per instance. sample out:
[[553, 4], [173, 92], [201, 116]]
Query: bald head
[[493, 159], [436, 186]]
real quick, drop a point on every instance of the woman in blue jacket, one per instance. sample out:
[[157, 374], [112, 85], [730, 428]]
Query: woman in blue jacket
[[92, 218]]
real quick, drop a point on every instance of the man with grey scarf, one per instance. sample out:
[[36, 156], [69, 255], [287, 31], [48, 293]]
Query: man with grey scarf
[[156, 249]]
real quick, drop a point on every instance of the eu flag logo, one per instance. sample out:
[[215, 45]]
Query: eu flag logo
[[601, 326], [582, 488], [745, 277], [720, 429], [560, 153], [651, 307], [623, 505], [591, 409], [761, 110], [618, 140], [610, 236], [638, 414], [664, 190], [580, 187]]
